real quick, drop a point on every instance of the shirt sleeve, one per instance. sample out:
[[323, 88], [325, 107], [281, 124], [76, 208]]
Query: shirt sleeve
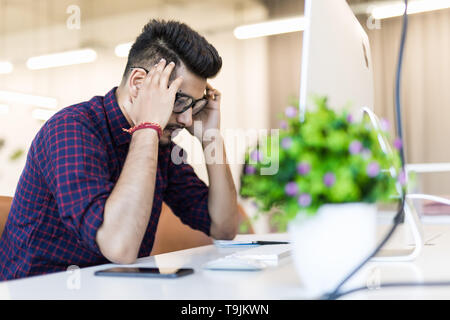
[[78, 178], [187, 196]]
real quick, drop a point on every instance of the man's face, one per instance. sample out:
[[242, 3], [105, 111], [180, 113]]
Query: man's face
[[192, 85]]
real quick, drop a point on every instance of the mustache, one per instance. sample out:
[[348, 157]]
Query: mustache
[[174, 127]]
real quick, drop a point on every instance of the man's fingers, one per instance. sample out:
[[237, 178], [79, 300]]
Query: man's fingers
[[212, 93], [159, 68], [164, 80], [148, 78]]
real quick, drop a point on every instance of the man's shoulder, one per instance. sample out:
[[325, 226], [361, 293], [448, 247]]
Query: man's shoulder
[[85, 115]]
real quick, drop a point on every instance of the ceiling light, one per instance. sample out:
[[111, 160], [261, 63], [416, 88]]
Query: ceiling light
[[6, 67], [61, 59], [397, 9], [270, 28], [123, 49], [22, 98]]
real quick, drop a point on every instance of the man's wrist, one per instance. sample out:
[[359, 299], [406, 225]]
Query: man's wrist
[[148, 134], [145, 125]]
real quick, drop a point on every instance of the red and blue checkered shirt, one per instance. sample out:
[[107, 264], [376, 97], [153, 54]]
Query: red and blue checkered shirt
[[72, 166]]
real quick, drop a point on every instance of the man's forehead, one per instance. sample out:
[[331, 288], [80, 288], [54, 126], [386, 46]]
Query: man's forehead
[[192, 84]]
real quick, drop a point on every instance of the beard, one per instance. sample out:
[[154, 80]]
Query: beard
[[169, 132]]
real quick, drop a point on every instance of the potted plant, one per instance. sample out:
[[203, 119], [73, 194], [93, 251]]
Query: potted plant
[[332, 172]]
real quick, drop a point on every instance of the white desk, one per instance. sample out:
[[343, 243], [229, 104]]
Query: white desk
[[275, 283]]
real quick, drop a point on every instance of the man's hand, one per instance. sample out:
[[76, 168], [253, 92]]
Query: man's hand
[[155, 100], [210, 115]]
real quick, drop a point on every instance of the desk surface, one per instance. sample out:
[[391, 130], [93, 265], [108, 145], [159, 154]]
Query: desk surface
[[273, 283]]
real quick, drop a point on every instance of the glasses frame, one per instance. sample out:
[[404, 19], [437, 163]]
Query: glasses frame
[[181, 94]]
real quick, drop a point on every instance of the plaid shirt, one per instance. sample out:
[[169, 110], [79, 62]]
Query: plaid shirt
[[72, 166]]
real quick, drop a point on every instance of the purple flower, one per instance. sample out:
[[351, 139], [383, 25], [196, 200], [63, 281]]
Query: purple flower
[[283, 124], [290, 112], [329, 179], [286, 143], [398, 143], [291, 189], [355, 147], [256, 155], [373, 169], [384, 124], [304, 200], [303, 168], [402, 179], [349, 118], [250, 170]]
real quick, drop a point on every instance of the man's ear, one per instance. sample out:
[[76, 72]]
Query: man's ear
[[135, 81]]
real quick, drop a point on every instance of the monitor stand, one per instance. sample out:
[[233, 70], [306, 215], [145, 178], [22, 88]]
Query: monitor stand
[[411, 216], [405, 254]]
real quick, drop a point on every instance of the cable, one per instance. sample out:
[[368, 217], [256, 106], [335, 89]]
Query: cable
[[398, 76], [399, 215], [428, 197], [398, 113], [395, 284], [397, 219]]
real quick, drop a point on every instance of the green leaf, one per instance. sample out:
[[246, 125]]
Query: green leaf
[[16, 155]]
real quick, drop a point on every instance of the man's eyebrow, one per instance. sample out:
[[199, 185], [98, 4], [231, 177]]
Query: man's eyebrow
[[179, 91]]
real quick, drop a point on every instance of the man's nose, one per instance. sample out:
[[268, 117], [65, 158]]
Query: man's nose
[[185, 118]]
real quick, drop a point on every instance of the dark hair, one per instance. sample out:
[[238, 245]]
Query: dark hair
[[173, 41]]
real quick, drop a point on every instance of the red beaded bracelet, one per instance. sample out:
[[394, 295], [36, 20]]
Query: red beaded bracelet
[[145, 125]]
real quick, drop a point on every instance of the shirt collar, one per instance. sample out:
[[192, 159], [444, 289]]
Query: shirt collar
[[116, 118]]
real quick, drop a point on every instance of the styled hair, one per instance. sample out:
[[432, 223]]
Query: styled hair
[[173, 41]]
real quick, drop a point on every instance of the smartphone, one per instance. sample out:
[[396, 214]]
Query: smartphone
[[144, 272]]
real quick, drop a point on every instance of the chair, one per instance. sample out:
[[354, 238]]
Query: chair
[[172, 234], [5, 205]]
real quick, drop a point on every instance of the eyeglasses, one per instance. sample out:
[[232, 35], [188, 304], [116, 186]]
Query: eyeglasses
[[184, 101]]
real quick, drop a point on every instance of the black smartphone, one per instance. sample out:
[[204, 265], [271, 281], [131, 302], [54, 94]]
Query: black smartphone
[[144, 272]]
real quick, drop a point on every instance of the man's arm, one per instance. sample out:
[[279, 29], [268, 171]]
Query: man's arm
[[128, 208], [222, 196]]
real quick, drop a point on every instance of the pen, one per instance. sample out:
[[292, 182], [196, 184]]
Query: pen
[[269, 242]]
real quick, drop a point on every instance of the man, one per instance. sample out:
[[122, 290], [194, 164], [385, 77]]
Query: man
[[97, 172]]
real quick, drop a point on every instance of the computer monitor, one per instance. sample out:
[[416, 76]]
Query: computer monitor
[[336, 62], [336, 59]]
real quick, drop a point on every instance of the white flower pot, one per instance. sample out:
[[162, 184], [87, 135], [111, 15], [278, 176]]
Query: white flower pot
[[328, 246]]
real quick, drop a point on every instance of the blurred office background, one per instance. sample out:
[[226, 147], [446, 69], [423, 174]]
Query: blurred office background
[[259, 78]]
